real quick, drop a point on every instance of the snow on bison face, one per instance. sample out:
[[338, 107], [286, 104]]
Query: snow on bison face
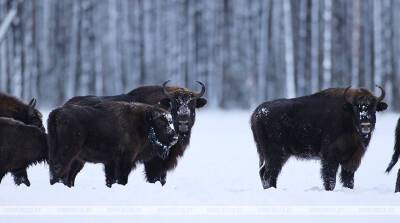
[[182, 104], [364, 105]]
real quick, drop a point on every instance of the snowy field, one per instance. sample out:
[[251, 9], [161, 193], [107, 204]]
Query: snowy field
[[220, 169]]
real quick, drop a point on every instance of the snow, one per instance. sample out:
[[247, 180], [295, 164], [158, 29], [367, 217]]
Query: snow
[[263, 112], [221, 168]]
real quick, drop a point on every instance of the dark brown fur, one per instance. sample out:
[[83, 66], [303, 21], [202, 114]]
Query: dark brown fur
[[12, 107], [115, 134], [334, 125], [156, 169], [395, 156], [21, 146]]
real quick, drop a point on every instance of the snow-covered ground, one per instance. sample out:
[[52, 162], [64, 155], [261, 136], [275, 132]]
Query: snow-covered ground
[[221, 168]]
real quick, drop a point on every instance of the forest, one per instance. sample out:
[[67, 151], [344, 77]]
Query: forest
[[245, 51]]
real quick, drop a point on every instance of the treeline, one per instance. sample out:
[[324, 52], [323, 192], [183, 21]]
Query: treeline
[[245, 51]]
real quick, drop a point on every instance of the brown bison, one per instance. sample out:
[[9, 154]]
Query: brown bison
[[116, 134], [334, 125], [182, 104], [12, 107], [21, 145]]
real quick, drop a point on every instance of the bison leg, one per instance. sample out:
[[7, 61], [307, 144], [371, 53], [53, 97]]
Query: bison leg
[[123, 175], [76, 167], [398, 182], [124, 170], [21, 177], [329, 171], [347, 178], [270, 169], [261, 166], [154, 171], [109, 170]]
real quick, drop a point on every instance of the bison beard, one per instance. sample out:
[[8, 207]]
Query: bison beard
[[156, 168], [162, 149], [182, 104], [328, 125]]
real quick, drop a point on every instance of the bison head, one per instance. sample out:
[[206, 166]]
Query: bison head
[[363, 105], [34, 117], [182, 104], [162, 134]]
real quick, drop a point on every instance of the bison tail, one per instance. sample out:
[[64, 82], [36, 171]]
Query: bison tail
[[396, 153]]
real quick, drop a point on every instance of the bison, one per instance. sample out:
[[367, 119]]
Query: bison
[[334, 125], [182, 104], [12, 107], [396, 156], [21, 146], [115, 134]]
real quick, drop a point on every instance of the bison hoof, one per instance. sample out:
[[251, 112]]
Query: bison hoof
[[153, 179], [110, 182], [68, 185], [22, 180], [52, 181], [267, 185], [122, 182], [163, 181], [329, 187], [67, 182], [350, 186]]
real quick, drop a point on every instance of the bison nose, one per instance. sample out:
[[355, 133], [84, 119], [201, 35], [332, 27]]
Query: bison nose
[[183, 126], [365, 127], [185, 122]]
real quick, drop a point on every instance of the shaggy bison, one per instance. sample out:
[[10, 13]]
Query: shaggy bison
[[396, 156], [12, 107], [115, 134], [334, 125], [182, 104], [20, 146]]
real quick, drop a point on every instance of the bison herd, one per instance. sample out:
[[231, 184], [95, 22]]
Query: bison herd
[[149, 125], [152, 125]]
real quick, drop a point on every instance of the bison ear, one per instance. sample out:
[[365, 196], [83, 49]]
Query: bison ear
[[348, 107], [381, 106], [165, 103], [200, 102]]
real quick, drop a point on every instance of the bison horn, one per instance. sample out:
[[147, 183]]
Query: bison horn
[[32, 103], [383, 93], [345, 93], [166, 93], [203, 90]]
